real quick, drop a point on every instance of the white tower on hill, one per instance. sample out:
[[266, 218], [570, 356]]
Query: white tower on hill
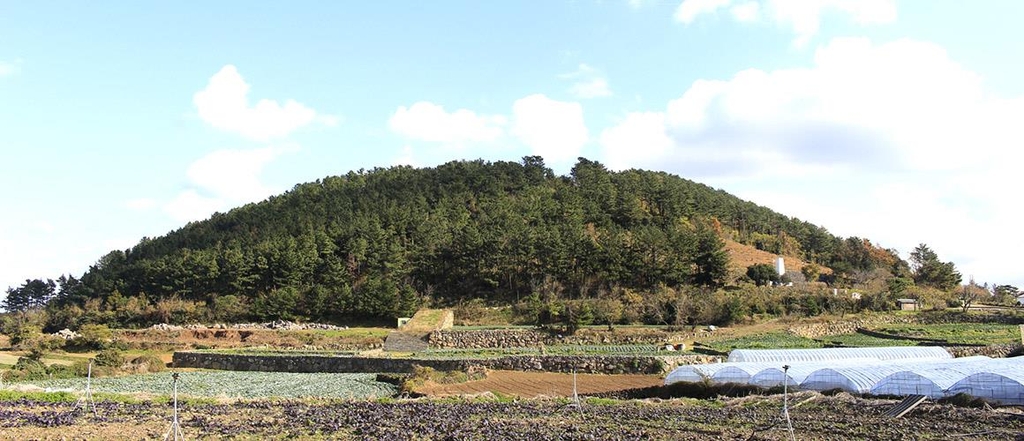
[[780, 266]]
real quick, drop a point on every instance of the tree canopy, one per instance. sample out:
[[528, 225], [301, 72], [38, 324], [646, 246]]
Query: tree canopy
[[932, 272], [379, 243]]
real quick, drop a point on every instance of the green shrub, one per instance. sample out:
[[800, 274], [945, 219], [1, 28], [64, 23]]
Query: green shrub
[[109, 358], [67, 371], [94, 337], [27, 369], [147, 363]]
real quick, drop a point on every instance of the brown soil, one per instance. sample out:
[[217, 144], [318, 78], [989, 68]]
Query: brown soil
[[534, 384], [814, 417]]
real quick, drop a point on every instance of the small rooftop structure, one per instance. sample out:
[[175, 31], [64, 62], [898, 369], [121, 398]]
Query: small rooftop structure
[[907, 304]]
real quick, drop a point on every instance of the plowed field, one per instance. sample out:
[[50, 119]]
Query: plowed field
[[534, 384]]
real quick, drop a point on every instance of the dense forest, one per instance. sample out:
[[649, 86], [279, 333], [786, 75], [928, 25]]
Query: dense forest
[[383, 242]]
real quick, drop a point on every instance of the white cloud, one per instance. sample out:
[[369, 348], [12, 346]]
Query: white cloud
[[748, 12], [689, 10], [405, 158], [224, 179], [552, 129], [190, 206], [802, 17], [640, 134], [425, 121], [588, 82], [8, 68], [895, 142], [592, 88], [224, 104]]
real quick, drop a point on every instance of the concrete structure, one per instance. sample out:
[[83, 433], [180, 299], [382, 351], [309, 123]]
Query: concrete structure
[[780, 266], [907, 304]]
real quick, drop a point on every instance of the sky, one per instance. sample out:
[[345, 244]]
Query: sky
[[896, 121]]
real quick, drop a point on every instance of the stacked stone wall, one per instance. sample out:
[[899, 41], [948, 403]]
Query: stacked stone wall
[[839, 327], [611, 364], [529, 338], [994, 351]]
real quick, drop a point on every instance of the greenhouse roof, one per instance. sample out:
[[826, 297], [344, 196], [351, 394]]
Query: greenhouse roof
[[1000, 380], [829, 354]]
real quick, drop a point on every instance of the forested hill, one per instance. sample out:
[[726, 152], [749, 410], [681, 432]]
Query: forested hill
[[377, 243]]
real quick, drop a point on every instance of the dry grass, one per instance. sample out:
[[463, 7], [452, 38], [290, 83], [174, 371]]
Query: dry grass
[[426, 320], [741, 256]]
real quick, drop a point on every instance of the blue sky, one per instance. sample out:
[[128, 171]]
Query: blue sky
[[894, 121]]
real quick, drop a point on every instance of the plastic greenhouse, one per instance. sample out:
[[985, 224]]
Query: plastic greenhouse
[[931, 379], [798, 371], [921, 371], [829, 354], [867, 378], [739, 373], [1002, 382]]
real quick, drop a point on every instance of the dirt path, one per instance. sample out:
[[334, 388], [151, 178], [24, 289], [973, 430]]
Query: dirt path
[[534, 384]]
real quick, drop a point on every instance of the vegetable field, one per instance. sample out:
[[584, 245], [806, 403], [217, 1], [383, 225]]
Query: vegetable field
[[818, 417], [231, 384]]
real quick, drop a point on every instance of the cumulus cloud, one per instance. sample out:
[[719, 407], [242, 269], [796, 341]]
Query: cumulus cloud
[[592, 88], [426, 121], [748, 12], [832, 113], [191, 206], [588, 82], [689, 10], [552, 129], [405, 157], [224, 104], [224, 179], [641, 134], [9, 68], [802, 17], [896, 142]]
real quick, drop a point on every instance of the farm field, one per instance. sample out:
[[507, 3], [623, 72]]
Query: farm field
[[233, 385], [757, 418], [896, 335], [536, 384]]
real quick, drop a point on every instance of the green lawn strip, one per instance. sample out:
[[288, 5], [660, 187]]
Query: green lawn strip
[[861, 340], [959, 333], [769, 340]]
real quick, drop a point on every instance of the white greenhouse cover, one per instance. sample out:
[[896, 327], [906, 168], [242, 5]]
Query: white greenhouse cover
[[1000, 380], [828, 354], [931, 379], [798, 371]]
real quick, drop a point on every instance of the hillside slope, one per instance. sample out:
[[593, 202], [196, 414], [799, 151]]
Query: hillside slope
[[379, 243], [741, 256]]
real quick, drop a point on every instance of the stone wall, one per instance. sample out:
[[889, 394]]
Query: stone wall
[[994, 351], [611, 364], [531, 338], [839, 327]]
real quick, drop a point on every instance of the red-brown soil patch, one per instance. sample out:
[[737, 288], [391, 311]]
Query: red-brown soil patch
[[741, 256], [534, 384]]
